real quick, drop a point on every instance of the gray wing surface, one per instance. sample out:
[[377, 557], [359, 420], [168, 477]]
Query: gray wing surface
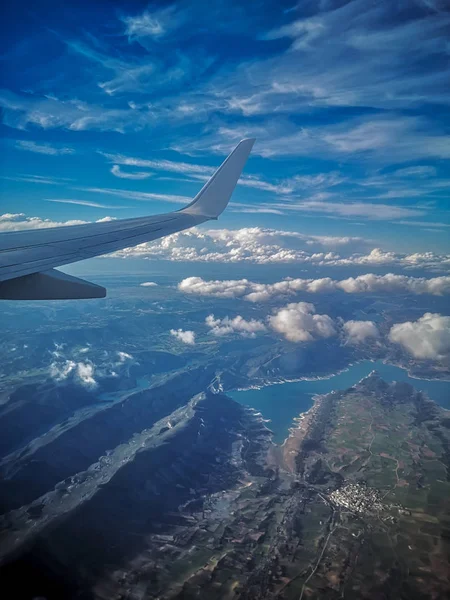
[[28, 258]]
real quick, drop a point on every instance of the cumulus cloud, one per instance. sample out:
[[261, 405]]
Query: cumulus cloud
[[230, 288], [238, 324], [357, 332], [66, 364], [269, 246], [426, 338], [19, 222], [298, 322], [261, 292], [187, 337], [124, 356], [148, 284], [255, 244], [83, 372]]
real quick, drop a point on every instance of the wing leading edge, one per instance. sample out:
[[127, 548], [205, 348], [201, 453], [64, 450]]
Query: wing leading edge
[[28, 258]]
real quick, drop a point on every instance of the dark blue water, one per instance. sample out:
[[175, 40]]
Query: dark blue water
[[281, 403]]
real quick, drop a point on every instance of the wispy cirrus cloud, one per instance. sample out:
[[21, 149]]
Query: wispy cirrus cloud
[[416, 171], [42, 179], [195, 171], [134, 195], [43, 148], [137, 175], [159, 165], [348, 102], [431, 224], [370, 62], [82, 203], [383, 139], [21, 111], [150, 24], [378, 212]]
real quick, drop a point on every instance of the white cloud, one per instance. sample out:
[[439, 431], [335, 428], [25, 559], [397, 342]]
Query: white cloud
[[82, 203], [20, 222], [43, 148], [238, 324], [83, 372], [117, 172], [364, 58], [148, 284], [368, 283], [426, 338], [297, 322], [37, 179], [437, 286], [49, 112], [229, 288], [433, 224], [133, 195], [159, 165], [417, 171], [255, 244], [124, 356], [6, 217], [269, 246], [148, 24], [196, 172], [357, 332], [383, 140], [60, 371], [378, 212], [187, 337]]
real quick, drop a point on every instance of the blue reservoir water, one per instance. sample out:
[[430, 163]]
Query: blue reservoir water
[[281, 403]]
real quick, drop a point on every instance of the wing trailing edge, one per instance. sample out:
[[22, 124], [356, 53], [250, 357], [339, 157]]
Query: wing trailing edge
[[49, 285], [28, 258]]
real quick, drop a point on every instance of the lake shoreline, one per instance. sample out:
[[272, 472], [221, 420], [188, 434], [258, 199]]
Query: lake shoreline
[[282, 406], [334, 374]]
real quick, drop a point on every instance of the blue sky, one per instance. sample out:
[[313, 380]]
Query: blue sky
[[123, 109]]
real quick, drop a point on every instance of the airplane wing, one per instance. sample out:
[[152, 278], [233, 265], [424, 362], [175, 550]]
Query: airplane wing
[[28, 258]]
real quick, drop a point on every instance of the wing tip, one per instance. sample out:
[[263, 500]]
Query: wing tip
[[213, 198]]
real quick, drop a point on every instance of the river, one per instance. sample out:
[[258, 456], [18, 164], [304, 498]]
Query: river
[[281, 403]]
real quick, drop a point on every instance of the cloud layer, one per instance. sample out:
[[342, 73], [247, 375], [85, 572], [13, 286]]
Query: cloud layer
[[261, 246], [368, 283], [269, 246]]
